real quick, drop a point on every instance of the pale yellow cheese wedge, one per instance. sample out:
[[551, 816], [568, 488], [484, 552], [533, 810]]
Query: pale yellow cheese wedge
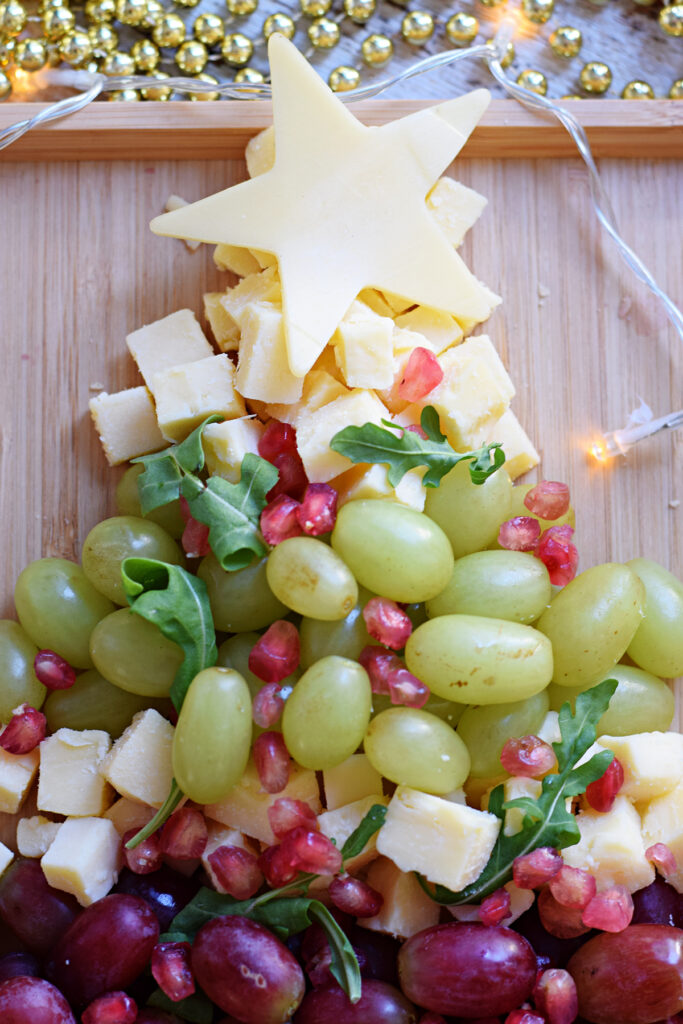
[[441, 329], [6, 858], [455, 208], [363, 481], [70, 782], [186, 394], [17, 772], [260, 152], [611, 847], [263, 258], [315, 431], [652, 762], [407, 909], [263, 370], [663, 823], [174, 339], [236, 259], [364, 348], [224, 329], [175, 202], [225, 445], [319, 389], [139, 765], [376, 301], [350, 780], [514, 787], [84, 859], [126, 814], [35, 835], [340, 823], [261, 287], [127, 424], [520, 454]]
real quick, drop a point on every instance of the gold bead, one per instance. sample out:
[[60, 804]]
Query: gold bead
[[566, 41], [103, 38], [671, 19], [637, 90], [98, 11], [509, 55], [146, 55], [493, 3], [676, 90], [131, 12], [187, 3], [246, 76], [158, 93], [12, 18], [533, 81], [6, 52], [359, 10], [205, 95], [237, 49], [279, 22], [30, 54], [241, 7], [538, 11], [209, 29], [462, 28], [53, 56], [57, 22], [376, 50], [48, 5], [324, 33], [169, 30], [417, 27], [343, 79], [5, 86], [315, 8], [191, 57], [75, 48], [154, 11], [124, 96], [595, 77], [117, 63]]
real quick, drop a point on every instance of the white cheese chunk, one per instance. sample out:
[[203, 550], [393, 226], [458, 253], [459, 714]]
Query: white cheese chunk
[[260, 152], [441, 329], [261, 287], [652, 762], [455, 208], [364, 348], [126, 814], [223, 327], [407, 909], [340, 823], [514, 787], [447, 843], [186, 394], [236, 259], [225, 445], [17, 772], [663, 823], [6, 858], [176, 203], [174, 339], [139, 765], [550, 728], [319, 389], [351, 780], [376, 301], [363, 481], [520, 454], [127, 424], [70, 782], [35, 835], [611, 847], [315, 430], [263, 370], [84, 859]]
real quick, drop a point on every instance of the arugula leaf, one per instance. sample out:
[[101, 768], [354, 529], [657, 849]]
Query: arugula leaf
[[402, 450], [344, 966], [197, 1008], [371, 823], [176, 602], [546, 822], [160, 480]]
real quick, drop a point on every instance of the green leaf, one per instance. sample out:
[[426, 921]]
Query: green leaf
[[176, 602], [233, 511], [159, 483], [344, 966], [165, 811], [547, 822], [402, 450], [371, 823], [189, 454], [197, 1008]]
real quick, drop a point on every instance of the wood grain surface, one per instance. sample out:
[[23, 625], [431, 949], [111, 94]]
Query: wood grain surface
[[583, 341]]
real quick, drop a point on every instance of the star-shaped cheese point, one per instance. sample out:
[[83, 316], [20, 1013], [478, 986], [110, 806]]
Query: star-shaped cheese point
[[343, 207]]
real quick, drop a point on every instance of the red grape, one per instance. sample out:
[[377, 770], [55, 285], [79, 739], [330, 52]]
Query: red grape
[[24, 1000], [658, 903], [18, 965], [467, 969], [379, 1004], [37, 913], [166, 891]]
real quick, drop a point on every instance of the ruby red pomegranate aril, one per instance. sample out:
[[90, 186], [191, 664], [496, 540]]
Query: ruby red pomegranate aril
[[534, 869], [555, 996], [610, 910], [292, 479], [236, 870], [528, 756], [278, 437], [144, 858], [548, 500], [354, 896], [379, 664], [25, 730], [558, 554], [171, 969], [111, 1008], [311, 851], [317, 513], [272, 761], [494, 909], [602, 793], [573, 887], [268, 705], [663, 858], [406, 689], [421, 375], [53, 671], [276, 654], [279, 520], [286, 813], [519, 534], [386, 622], [184, 835]]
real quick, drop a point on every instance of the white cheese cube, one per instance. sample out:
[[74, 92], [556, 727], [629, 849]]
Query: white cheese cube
[[127, 424], [236, 259], [652, 762], [185, 395], [364, 348], [35, 835], [139, 765], [315, 430], [407, 909], [263, 258], [261, 287], [17, 772], [611, 847], [174, 339], [263, 369], [9, 822], [455, 208], [223, 327], [397, 303], [550, 728], [365, 481], [84, 859], [70, 782], [514, 787], [245, 807], [520, 901], [340, 823], [6, 858], [663, 823], [221, 835], [177, 203], [319, 388], [375, 300], [125, 814], [520, 454], [225, 445], [469, 323], [440, 328], [351, 780], [260, 152], [447, 843]]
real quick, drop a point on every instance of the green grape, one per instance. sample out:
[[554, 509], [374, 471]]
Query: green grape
[[213, 735], [93, 703], [128, 504], [393, 550], [58, 607], [518, 508], [345, 637], [591, 622], [134, 654], [311, 579], [446, 710], [241, 600], [19, 684], [121, 537], [508, 585], [474, 660], [658, 644], [414, 748], [326, 715], [469, 514], [485, 729], [641, 702]]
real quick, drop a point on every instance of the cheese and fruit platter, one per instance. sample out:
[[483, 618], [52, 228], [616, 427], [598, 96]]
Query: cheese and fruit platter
[[326, 695]]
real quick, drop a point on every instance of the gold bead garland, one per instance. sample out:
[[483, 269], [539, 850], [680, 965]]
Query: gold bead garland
[[324, 33], [7, 52], [637, 90], [169, 31], [57, 22], [146, 55], [12, 18], [191, 57], [30, 54], [209, 29], [240, 8], [124, 95], [246, 76], [417, 27], [462, 28], [208, 96], [566, 41], [676, 90], [595, 77], [343, 79], [5, 86], [671, 19], [159, 93], [117, 63], [377, 49], [75, 48], [538, 11], [104, 38], [533, 81], [237, 49], [279, 22], [359, 10], [315, 8]]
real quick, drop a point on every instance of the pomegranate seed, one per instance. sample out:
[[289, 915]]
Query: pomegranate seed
[[236, 871], [663, 859], [407, 689], [558, 554], [573, 887], [355, 897], [415, 428], [111, 1008], [184, 835], [562, 922], [312, 851], [24, 731], [277, 438], [317, 513], [171, 969], [271, 758], [610, 910], [523, 1017], [195, 539], [144, 858], [519, 534], [277, 866], [285, 814], [495, 908], [536, 868], [52, 671], [279, 521], [548, 500], [267, 706], [386, 622], [292, 479], [379, 664], [602, 793], [421, 375], [276, 654], [555, 996], [528, 756]]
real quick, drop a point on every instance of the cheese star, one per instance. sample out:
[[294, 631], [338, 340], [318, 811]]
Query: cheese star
[[343, 207]]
